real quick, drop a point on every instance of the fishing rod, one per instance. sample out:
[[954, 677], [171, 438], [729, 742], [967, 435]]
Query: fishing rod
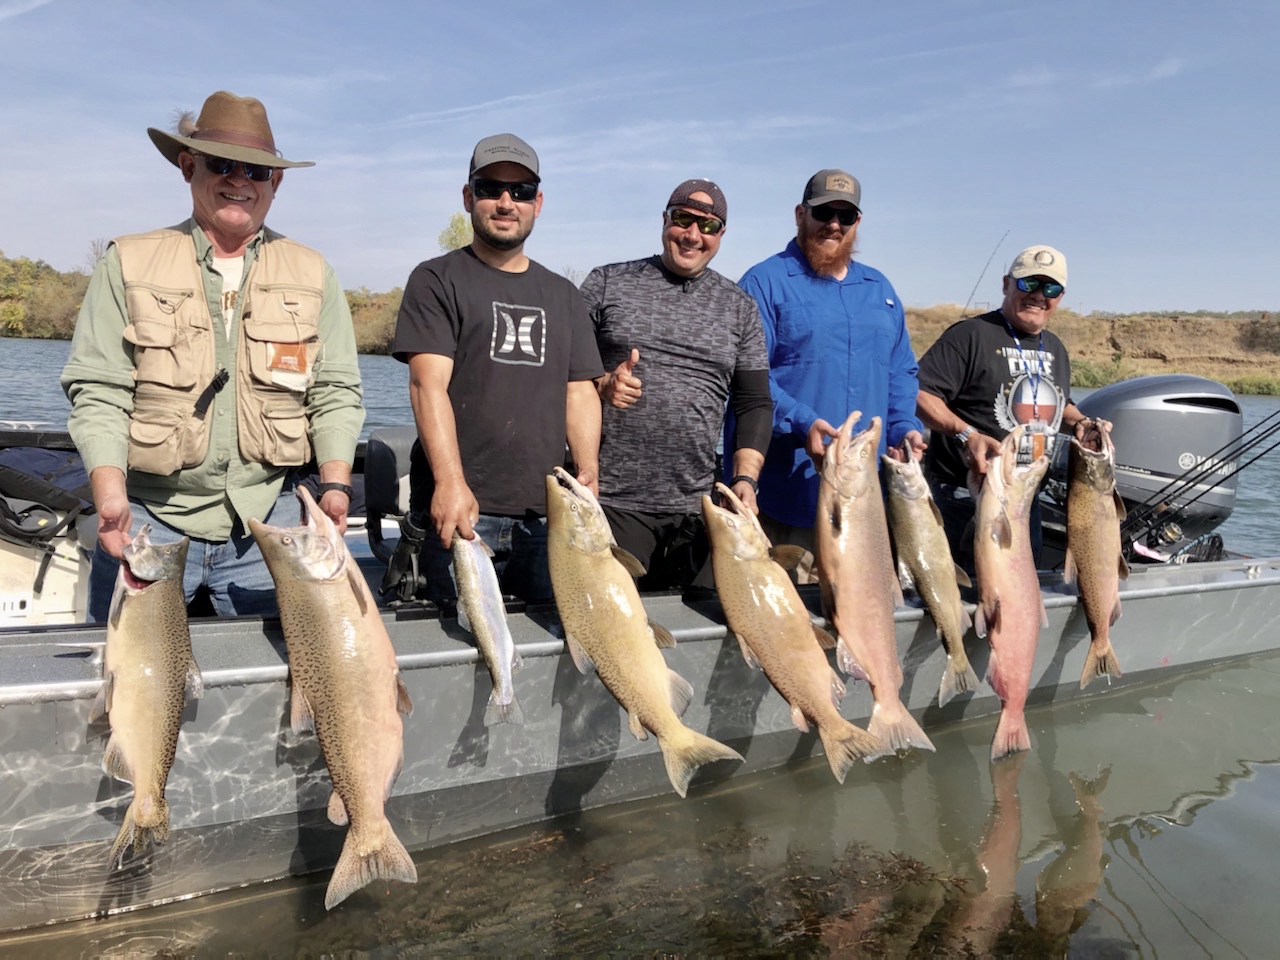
[[1232, 474], [964, 311], [1186, 481]]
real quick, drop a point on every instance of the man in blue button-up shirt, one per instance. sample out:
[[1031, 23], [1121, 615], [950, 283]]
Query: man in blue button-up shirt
[[837, 342]]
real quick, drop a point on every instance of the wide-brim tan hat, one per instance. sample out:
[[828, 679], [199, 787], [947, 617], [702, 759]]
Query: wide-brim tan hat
[[228, 126]]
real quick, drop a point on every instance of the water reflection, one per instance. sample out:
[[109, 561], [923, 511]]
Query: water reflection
[[1134, 828]]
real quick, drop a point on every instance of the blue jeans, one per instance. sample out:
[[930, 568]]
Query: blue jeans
[[519, 548], [233, 572]]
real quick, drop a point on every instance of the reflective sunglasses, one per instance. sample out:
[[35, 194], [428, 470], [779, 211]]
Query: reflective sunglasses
[[1050, 288], [522, 191], [708, 226], [222, 167], [847, 216]]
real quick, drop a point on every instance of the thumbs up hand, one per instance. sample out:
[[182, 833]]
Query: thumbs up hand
[[622, 387]]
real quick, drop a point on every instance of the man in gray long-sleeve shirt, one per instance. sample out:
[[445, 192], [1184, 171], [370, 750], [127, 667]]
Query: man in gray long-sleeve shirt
[[677, 337]]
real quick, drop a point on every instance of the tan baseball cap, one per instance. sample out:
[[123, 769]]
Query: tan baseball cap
[[1040, 261]]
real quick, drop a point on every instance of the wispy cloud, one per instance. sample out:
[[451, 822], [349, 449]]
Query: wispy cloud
[[1166, 68], [16, 8]]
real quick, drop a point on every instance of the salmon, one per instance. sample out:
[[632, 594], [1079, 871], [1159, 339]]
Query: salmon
[[149, 672], [481, 611], [925, 563], [774, 631], [606, 629], [1010, 609], [859, 586], [346, 686], [1094, 560]]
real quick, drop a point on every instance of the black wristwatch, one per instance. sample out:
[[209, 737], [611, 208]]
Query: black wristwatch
[[324, 488], [749, 481]]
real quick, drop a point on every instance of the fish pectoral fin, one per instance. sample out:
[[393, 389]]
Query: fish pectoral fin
[[301, 719], [628, 560], [1123, 568], [337, 809], [358, 587], [637, 728], [1069, 570], [581, 659], [937, 514], [661, 635], [102, 702], [838, 689], [825, 640], [403, 702], [1121, 512], [847, 662], [962, 578], [114, 763], [464, 621], [195, 681], [905, 580], [680, 691], [787, 555], [1002, 530], [484, 547], [747, 653], [797, 717]]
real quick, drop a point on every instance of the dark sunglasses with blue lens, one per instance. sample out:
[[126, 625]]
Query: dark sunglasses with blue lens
[[222, 167], [522, 191], [1050, 288]]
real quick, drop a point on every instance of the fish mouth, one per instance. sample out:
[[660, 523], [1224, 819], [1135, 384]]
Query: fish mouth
[[139, 543], [570, 485]]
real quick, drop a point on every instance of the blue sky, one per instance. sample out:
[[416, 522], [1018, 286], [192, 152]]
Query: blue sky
[[1140, 138]]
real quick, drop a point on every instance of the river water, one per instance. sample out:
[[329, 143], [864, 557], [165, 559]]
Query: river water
[[1141, 824]]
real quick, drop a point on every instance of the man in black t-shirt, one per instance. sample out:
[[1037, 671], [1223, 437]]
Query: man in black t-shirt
[[986, 375], [502, 363]]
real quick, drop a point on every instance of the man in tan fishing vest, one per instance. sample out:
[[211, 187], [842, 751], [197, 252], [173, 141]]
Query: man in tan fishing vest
[[212, 362]]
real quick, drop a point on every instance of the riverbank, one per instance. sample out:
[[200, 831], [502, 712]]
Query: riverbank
[[1242, 353]]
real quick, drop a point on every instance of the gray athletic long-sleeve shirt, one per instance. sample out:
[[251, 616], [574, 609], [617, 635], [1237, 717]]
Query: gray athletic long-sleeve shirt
[[699, 340]]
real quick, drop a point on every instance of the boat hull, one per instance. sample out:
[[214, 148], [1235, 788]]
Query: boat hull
[[247, 799]]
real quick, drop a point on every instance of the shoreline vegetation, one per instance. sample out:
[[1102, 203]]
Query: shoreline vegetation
[[1240, 349]]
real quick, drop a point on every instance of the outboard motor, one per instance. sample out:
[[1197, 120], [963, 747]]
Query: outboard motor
[[1176, 454]]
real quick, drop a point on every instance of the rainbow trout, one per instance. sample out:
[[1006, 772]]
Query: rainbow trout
[[1094, 559], [859, 588], [149, 671], [482, 612], [606, 629], [345, 686], [775, 633]]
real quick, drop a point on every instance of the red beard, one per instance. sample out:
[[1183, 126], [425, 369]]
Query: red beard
[[824, 259]]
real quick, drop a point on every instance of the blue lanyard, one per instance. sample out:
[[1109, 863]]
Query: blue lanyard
[[1039, 373]]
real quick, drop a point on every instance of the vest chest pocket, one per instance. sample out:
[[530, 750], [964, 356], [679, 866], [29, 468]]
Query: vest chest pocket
[[282, 336], [166, 329], [286, 435]]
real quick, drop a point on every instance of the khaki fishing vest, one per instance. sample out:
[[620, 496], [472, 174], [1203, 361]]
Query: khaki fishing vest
[[172, 333]]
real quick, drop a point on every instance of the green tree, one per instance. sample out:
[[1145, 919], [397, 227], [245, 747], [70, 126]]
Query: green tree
[[457, 234]]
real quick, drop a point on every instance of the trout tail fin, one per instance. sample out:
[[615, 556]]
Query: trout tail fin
[[685, 752], [958, 677], [359, 865], [1101, 663], [146, 825], [845, 744], [896, 729]]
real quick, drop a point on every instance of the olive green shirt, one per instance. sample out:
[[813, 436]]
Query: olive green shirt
[[206, 500]]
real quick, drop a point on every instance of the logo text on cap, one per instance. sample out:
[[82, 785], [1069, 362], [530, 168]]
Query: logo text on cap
[[839, 184]]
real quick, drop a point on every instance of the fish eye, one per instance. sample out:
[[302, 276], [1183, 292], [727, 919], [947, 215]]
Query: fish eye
[[286, 540]]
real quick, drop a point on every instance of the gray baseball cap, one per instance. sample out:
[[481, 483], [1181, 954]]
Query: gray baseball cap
[[831, 184], [504, 147]]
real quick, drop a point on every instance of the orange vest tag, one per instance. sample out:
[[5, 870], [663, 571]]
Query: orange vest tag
[[287, 356]]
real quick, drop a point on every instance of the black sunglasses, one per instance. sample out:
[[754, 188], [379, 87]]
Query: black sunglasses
[[522, 191], [847, 216], [709, 226], [1050, 288], [222, 167]]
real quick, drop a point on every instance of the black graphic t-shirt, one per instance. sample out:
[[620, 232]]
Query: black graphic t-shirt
[[994, 381], [516, 339]]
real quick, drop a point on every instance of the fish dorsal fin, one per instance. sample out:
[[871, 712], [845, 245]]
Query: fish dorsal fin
[[787, 555], [681, 692], [1121, 512], [962, 577], [628, 560], [358, 587], [195, 681], [301, 719], [403, 702], [1069, 571], [825, 640], [747, 653], [662, 636], [637, 728], [1123, 567], [581, 659]]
